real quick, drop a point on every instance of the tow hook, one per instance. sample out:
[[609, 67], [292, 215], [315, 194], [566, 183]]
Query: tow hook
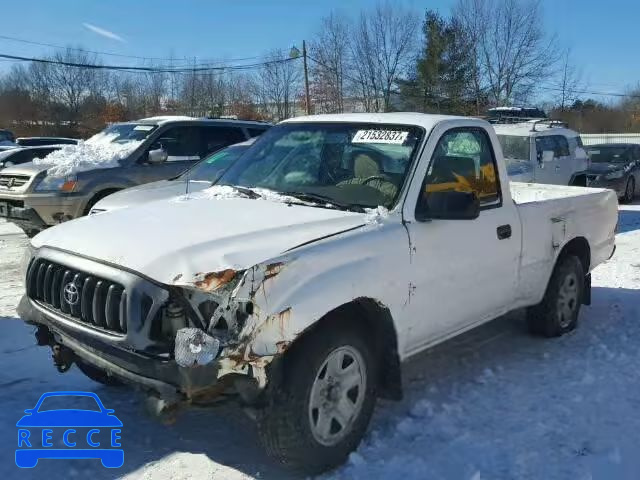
[[43, 336], [63, 357]]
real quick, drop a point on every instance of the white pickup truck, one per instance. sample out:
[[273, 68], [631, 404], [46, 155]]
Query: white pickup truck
[[333, 250]]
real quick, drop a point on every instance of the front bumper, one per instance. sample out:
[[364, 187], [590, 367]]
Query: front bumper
[[25, 217], [157, 374], [38, 211]]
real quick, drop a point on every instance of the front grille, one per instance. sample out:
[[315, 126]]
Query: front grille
[[78, 295], [13, 181]]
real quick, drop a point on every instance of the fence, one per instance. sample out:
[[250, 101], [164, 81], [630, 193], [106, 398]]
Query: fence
[[598, 138]]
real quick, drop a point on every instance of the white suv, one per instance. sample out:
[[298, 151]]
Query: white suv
[[543, 151]]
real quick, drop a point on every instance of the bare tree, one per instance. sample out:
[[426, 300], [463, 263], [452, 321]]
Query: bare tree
[[570, 82], [471, 16], [513, 51], [383, 46], [330, 60], [279, 84]]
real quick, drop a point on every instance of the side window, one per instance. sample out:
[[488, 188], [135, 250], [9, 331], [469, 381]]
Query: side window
[[561, 146], [256, 132], [216, 138], [544, 144], [181, 143], [464, 161]]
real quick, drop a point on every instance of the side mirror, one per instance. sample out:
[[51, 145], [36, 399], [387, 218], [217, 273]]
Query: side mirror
[[157, 156], [450, 205], [547, 156]]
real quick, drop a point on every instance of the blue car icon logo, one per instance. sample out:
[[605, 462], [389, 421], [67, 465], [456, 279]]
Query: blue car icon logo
[[69, 425]]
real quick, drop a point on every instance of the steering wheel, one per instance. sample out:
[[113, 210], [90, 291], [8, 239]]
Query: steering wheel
[[376, 177]]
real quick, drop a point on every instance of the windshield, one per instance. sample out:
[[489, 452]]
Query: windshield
[[609, 154], [514, 147], [122, 133], [209, 169], [353, 165]]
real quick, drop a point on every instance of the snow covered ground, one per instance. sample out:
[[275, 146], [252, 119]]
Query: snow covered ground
[[492, 404]]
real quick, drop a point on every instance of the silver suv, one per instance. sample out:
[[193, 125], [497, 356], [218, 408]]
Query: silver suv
[[66, 184]]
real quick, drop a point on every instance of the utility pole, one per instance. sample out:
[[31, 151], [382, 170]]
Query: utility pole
[[306, 77]]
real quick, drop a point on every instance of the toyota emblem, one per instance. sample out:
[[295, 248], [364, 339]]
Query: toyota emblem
[[71, 294]]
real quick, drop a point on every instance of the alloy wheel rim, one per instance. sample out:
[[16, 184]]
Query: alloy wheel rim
[[567, 300], [337, 395]]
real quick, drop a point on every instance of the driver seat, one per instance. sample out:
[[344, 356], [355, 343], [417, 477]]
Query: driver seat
[[364, 166]]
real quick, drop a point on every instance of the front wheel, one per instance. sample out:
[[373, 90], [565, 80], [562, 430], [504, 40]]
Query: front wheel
[[558, 311], [319, 408]]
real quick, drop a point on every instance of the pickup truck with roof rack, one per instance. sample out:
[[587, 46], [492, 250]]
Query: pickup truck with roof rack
[[333, 250]]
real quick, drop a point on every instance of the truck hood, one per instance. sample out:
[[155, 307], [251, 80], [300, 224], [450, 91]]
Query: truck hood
[[148, 192], [172, 241]]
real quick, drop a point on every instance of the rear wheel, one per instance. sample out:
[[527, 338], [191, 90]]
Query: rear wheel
[[98, 375], [558, 312], [319, 408], [630, 190]]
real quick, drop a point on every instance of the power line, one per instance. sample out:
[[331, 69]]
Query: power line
[[185, 69], [122, 55]]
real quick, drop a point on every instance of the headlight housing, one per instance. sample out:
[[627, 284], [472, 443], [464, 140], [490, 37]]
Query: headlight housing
[[614, 175], [57, 184]]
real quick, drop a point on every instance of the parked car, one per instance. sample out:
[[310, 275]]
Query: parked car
[[615, 166], [68, 183], [202, 175], [334, 249], [41, 141], [543, 151], [18, 156], [7, 137]]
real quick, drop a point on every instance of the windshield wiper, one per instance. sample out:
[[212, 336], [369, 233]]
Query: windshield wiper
[[325, 201], [246, 191]]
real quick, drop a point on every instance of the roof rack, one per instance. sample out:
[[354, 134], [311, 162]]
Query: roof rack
[[509, 120], [550, 123]]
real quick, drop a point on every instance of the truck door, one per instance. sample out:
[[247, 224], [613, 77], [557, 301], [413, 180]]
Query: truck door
[[567, 163], [548, 171], [462, 271]]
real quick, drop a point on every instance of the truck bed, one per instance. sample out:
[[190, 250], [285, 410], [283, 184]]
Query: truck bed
[[523, 193], [551, 215]]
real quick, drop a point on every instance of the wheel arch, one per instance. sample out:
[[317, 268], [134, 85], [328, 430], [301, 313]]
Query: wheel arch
[[372, 317], [99, 196], [579, 247]]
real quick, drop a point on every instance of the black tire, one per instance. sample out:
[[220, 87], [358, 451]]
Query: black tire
[[98, 375], [99, 196], [629, 191], [558, 311], [285, 422]]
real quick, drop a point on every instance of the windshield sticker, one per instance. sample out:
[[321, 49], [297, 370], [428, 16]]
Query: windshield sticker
[[143, 128], [393, 137]]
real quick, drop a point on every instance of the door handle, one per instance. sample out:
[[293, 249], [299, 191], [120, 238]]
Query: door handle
[[504, 232]]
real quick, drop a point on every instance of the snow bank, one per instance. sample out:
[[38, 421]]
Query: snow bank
[[97, 152]]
